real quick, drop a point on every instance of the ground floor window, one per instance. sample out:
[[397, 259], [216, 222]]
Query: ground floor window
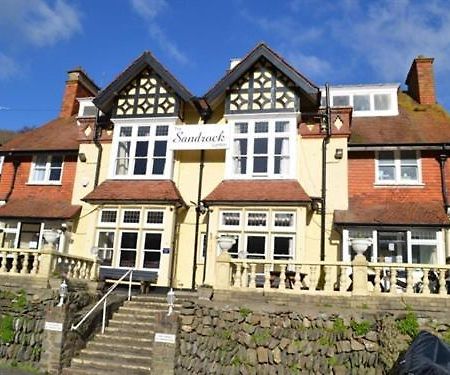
[[130, 237], [260, 234], [397, 245]]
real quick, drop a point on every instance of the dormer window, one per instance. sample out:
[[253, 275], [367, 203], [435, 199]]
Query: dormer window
[[87, 108], [140, 151]]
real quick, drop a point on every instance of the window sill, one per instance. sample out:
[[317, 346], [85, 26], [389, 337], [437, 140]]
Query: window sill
[[43, 183], [398, 185]]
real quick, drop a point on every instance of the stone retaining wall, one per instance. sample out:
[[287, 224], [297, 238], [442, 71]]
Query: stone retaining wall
[[222, 339]]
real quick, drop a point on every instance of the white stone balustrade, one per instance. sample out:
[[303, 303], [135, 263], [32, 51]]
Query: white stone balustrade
[[357, 277], [45, 264]]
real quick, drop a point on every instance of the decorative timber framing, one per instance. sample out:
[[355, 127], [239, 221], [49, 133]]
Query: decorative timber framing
[[145, 89], [307, 94]]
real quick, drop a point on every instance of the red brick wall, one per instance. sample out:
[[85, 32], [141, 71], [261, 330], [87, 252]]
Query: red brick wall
[[362, 178], [70, 104], [421, 81], [23, 190]]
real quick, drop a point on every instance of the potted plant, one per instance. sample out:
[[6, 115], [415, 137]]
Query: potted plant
[[205, 292]]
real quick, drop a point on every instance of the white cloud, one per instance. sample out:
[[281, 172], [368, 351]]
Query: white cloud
[[389, 34], [8, 67], [149, 10], [38, 22], [309, 65]]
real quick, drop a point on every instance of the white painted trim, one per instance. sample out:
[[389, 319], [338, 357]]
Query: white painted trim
[[46, 180], [397, 170]]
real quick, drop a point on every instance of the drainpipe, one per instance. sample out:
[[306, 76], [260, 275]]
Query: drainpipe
[[197, 215], [442, 163], [325, 141], [16, 164], [96, 139], [206, 244]]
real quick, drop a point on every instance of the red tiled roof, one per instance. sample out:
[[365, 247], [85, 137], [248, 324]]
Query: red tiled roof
[[135, 190], [415, 124], [37, 208], [363, 212], [283, 191], [57, 135]]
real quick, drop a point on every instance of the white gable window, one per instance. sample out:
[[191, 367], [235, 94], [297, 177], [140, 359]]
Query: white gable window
[[262, 148], [46, 169], [398, 167], [141, 151]]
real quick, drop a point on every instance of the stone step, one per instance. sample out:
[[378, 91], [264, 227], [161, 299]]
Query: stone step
[[133, 316], [144, 310], [106, 367], [129, 347], [88, 356], [131, 325], [127, 331], [125, 339], [149, 305]]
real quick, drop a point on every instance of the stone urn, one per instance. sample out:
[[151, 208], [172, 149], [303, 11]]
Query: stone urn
[[360, 245], [51, 236], [226, 242]]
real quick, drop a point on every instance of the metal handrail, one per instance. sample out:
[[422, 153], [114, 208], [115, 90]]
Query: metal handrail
[[103, 299]]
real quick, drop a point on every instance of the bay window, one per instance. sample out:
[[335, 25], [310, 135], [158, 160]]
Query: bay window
[[262, 149], [263, 234], [140, 151], [398, 167]]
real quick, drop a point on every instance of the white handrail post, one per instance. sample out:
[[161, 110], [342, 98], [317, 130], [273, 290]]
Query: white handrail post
[[104, 316], [129, 285]]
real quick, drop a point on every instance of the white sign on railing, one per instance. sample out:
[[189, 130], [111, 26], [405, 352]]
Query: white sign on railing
[[199, 137]]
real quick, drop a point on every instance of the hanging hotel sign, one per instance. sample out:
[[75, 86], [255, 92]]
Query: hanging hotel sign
[[199, 137]]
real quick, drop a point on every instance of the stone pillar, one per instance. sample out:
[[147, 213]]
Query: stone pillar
[[360, 276], [52, 342], [163, 356], [45, 261], [223, 269]]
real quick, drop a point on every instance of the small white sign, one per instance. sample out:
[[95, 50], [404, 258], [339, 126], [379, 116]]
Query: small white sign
[[165, 337], [53, 326], [199, 137]]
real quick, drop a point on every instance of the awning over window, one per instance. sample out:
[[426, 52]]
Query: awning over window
[[258, 191], [38, 209], [163, 191], [364, 212]]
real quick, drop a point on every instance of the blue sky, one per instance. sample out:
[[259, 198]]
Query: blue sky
[[341, 42]]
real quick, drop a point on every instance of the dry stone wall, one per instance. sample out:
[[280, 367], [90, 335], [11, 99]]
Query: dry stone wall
[[237, 340]]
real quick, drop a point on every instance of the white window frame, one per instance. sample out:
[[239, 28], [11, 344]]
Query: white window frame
[[284, 235], [259, 228], [143, 250], [102, 224], [48, 168], [154, 225], [397, 169], [251, 120], [122, 217], [120, 233], [230, 227], [290, 228], [97, 238], [153, 123], [266, 245]]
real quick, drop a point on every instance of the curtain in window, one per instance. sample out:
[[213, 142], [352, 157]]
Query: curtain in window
[[123, 158]]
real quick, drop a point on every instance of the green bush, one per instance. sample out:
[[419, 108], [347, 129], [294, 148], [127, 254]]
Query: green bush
[[6, 329], [409, 324], [361, 328]]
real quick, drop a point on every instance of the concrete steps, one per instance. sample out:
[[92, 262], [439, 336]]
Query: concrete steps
[[126, 345]]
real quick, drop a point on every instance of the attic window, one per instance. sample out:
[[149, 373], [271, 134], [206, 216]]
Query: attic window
[[89, 111]]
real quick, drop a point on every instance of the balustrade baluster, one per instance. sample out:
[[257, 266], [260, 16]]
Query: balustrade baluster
[[312, 278], [377, 286], [426, 282], [4, 260], [282, 284], [237, 276], [84, 271], [244, 280], [297, 278], [252, 275], [442, 282], [393, 280], [267, 268], [14, 263], [34, 268], [343, 279], [70, 267], [409, 281], [328, 282], [25, 260]]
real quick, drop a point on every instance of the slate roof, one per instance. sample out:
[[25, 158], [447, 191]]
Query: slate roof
[[258, 191], [415, 124], [163, 191], [362, 212], [57, 135], [38, 208]]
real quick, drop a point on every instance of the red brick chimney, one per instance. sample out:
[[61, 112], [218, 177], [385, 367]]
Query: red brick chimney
[[78, 85], [420, 80]]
